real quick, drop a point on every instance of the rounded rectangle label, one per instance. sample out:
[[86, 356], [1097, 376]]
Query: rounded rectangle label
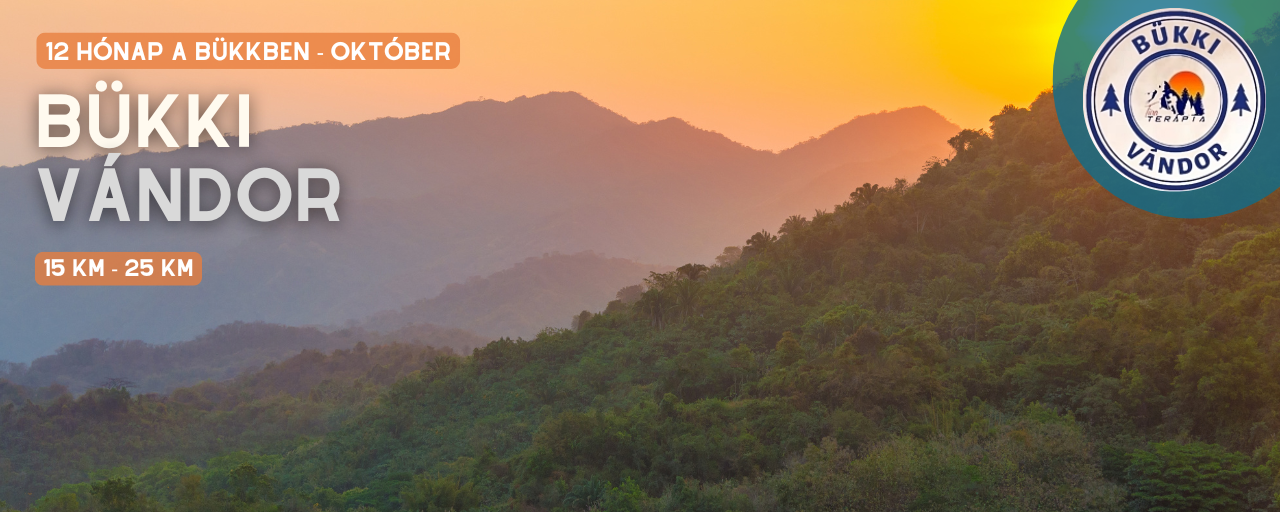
[[118, 269], [409, 50]]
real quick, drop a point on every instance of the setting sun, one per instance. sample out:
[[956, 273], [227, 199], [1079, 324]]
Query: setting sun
[[1189, 82]]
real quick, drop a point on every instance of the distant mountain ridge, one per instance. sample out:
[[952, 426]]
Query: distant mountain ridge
[[518, 302], [429, 200], [217, 355]]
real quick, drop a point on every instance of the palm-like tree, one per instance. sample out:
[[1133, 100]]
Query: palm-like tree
[[790, 278], [654, 304], [865, 195], [759, 243], [792, 225], [687, 294], [693, 271]]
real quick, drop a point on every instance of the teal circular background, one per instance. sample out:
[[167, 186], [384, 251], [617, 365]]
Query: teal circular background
[[1090, 23]]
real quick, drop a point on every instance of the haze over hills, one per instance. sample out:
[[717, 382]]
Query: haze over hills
[[516, 302], [429, 200], [520, 301], [217, 355]]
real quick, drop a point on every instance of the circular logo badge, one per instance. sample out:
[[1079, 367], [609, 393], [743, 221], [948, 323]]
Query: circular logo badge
[[1174, 100]]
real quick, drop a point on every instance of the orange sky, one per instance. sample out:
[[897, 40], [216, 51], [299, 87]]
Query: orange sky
[[765, 73], [1187, 81]]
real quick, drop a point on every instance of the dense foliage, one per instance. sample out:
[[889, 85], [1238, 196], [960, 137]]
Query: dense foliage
[[1002, 334], [106, 430]]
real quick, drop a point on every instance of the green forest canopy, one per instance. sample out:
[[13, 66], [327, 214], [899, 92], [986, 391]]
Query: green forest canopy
[[1002, 334]]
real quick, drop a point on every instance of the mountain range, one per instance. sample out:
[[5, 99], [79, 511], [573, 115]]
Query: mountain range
[[219, 354], [518, 302], [430, 200]]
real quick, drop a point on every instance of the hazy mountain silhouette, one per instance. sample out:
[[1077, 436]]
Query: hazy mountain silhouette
[[520, 301], [429, 200], [218, 354], [875, 148]]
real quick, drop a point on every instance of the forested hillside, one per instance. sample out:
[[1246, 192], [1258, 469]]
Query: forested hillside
[[48, 436], [1001, 334]]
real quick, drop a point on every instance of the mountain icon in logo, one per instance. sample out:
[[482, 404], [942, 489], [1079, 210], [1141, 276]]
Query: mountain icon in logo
[[1191, 95]]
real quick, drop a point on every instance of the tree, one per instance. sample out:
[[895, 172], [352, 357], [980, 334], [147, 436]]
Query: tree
[[630, 294], [759, 243], [580, 320], [1241, 102], [865, 195], [439, 495], [116, 495], [1111, 104], [1030, 254], [730, 256], [248, 485], [1195, 476], [660, 282], [189, 494], [793, 225], [1110, 256], [587, 495], [966, 140], [687, 294], [654, 304], [742, 364], [788, 350], [627, 497], [692, 271], [1223, 378]]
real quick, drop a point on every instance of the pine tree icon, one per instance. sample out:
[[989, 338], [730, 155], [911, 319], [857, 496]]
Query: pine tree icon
[[1241, 102], [1111, 104]]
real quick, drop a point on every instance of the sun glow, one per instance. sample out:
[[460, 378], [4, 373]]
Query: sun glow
[[1188, 82], [767, 74]]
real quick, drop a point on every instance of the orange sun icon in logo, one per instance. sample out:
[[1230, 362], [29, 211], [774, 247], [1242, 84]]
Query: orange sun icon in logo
[[1187, 81]]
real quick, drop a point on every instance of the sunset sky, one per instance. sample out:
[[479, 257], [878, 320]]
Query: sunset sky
[[767, 74], [1187, 81]]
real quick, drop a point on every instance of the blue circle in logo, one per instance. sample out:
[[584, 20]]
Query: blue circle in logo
[[1219, 159]]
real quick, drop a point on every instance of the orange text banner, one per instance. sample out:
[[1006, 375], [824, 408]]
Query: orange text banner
[[118, 269], [409, 50]]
